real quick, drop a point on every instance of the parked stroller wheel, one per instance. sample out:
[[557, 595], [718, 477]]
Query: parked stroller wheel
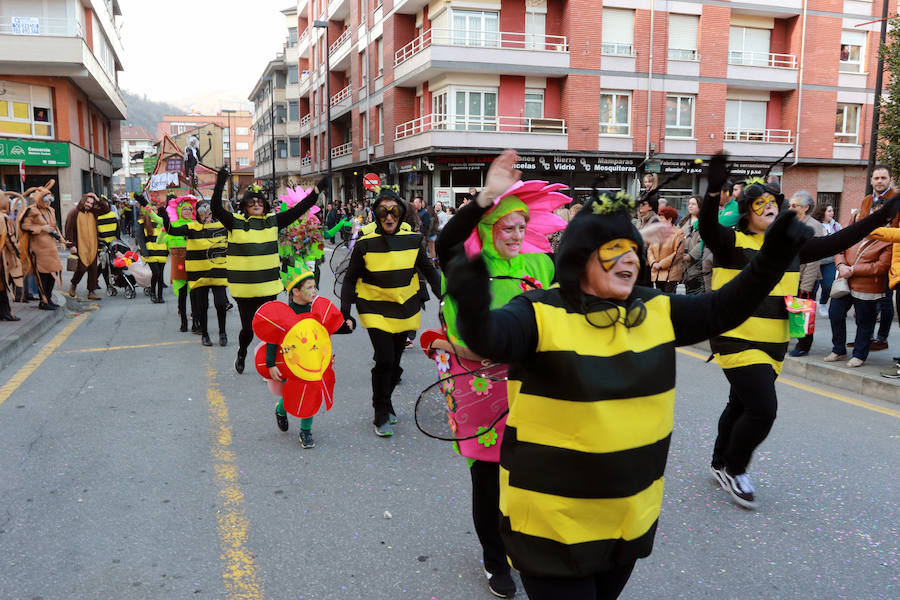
[[146, 291], [129, 293], [111, 291]]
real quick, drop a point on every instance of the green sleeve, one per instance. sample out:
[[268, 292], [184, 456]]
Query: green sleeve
[[271, 355]]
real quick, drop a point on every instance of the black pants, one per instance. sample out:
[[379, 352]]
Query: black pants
[[386, 373], [486, 514], [45, 283], [156, 279], [606, 585], [747, 418], [200, 306], [886, 314], [183, 293], [667, 287], [93, 283], [247, 307]]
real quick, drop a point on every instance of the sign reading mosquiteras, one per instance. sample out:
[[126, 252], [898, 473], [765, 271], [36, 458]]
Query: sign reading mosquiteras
[[35, 154]]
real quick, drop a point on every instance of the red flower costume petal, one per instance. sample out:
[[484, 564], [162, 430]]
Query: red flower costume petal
[[272, 321], [328, 387], [259, 360], [327, 314], [302, 398]]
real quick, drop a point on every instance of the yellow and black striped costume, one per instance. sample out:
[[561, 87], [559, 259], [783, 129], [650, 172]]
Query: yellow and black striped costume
[[253, 263], [763, 338], [107, 227], [587, 500], [206, 258], [388, 287], [156, 252]]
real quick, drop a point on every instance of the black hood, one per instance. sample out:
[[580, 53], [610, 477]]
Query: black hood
[[389, 194]]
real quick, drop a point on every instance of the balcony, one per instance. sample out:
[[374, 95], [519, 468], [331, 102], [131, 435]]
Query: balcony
[[303, 84], [305, 122], [341, 101], [481, 132], [503, 52], [758, 142], [339, 52], [779, 71]]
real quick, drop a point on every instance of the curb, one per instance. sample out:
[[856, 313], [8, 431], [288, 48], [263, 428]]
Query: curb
[[16, 345], [834, 375]]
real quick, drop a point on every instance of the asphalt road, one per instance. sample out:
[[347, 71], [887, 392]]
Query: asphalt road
[[154, 471]]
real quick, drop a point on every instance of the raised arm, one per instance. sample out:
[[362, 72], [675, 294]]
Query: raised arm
[[829, 245], [179, 230], [215, 202], [718, 238], [298, 210], [703, 316], [457, 229]]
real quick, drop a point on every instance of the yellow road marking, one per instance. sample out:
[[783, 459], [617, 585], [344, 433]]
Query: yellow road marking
[[240, 572], [815, 390], [107, 349], [22, 374]]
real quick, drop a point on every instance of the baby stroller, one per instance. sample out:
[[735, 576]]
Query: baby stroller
[[116, 277]]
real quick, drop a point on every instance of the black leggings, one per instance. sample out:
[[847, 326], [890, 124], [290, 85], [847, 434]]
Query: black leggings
[[486, 514], [386, 372], [606, 585], [748, 417], [200, 306], [156, 279], [45, 282], [247, 307], [183, 293]]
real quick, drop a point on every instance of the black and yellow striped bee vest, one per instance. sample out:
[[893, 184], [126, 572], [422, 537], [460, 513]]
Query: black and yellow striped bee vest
[[253, 263], [763, 338], [206, 260], [107, 224], [156, 253], [387, 293], [587, 437]]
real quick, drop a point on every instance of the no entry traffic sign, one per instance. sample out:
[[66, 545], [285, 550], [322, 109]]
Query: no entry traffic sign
[[371, 182]]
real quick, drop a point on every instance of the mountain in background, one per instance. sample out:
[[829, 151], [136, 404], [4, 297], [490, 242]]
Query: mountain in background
[[147, 113]]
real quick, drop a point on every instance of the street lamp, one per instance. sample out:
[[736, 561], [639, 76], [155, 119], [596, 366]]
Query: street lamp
[[229, 112], [271, 81], [324, 25]]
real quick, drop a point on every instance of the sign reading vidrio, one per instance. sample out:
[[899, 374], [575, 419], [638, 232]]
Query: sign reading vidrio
[[35, 154]]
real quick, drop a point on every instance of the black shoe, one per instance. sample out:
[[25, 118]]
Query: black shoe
[[741, 489], [223, 339], [183, 326], [45, 306], [9, 317], [204, 339], [239, 363], [195, 328], [306, 439], [282, 421], [501, 584], [796, 352]]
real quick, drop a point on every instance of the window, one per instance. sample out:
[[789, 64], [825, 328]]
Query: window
[[364, 128], [535, 31], [25, 110], [242, 131], [293, 110], [379, 117], [363, 69], [295, 146], [281, 148], [617, 35], [853, 45], [846, 124], [243, 161], [439, 111], [292, 37], [748, 46], [379, 52], [615, 113], [832, 198], [292, 74], [745, 121], [683, 37], [476, 28], [534, 104], [680, 116], [476, 110], [242, 146]]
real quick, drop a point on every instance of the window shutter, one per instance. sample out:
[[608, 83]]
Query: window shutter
[[618, 26], [683, 32], [853, 38]]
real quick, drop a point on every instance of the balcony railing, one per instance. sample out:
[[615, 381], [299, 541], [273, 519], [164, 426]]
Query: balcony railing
[[617, 49], [340, 40], [305, 121], [771, 136], [683, 54], [42, 26], [342, 150], [762, 59], [304, 37], [342, 95], [475, 123], [306, 161], [481, 39]]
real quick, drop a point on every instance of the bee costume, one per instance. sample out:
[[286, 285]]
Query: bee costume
[[591, 395], [751, 354]]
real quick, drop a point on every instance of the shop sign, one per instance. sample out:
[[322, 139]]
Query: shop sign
[[409, 165], [464, 163], [682, 166], [576, 164], [35, 154], [748, 169]]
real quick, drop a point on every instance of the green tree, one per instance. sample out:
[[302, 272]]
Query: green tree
[[889, 126]]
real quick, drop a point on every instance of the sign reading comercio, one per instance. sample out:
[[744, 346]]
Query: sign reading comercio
[[35, 154]]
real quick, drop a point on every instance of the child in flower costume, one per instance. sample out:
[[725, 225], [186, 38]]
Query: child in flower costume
[[508, 226], [295, 358]]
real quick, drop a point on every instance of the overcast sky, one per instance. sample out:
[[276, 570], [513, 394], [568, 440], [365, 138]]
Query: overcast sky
[[202, 55]]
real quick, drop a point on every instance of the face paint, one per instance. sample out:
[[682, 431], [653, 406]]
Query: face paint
[[609, 253], [759, 205]]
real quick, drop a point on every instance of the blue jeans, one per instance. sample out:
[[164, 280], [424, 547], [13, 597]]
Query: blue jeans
[[866, 311], [886, 309], [828, 273]]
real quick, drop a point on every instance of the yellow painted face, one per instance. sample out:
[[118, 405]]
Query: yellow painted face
[[307, 350], [759, 205], [610, 252]]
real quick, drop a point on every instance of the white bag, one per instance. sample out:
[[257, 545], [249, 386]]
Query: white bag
[[141, 273]]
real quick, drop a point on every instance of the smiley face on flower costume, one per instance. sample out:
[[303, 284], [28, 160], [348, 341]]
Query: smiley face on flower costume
[[306, 349]]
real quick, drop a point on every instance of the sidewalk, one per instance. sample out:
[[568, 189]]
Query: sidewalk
[[865, 380]]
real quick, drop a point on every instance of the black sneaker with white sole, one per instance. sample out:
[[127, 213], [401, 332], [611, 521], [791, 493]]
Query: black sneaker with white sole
[[741, 489], [501, 584], [306, 439], [282, 421], [718, 474]]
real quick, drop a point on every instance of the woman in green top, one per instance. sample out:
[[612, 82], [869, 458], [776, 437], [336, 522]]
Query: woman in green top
[[182, 208]]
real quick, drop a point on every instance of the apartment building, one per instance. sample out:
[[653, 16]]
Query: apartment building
[[232, 124], [137, 146], [60, 103], [427, 92]]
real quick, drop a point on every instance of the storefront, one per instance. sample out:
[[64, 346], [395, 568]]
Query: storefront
[[42, 161]]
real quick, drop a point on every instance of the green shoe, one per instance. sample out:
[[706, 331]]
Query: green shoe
[[892, 373]]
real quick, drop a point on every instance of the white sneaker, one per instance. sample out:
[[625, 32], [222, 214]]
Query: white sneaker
[[832, 357], [855, 362]]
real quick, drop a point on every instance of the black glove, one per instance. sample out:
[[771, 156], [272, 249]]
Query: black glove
[[467, 282], [784, 238], [891, 208], [717, 173], [322, 185], [222, 177]]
